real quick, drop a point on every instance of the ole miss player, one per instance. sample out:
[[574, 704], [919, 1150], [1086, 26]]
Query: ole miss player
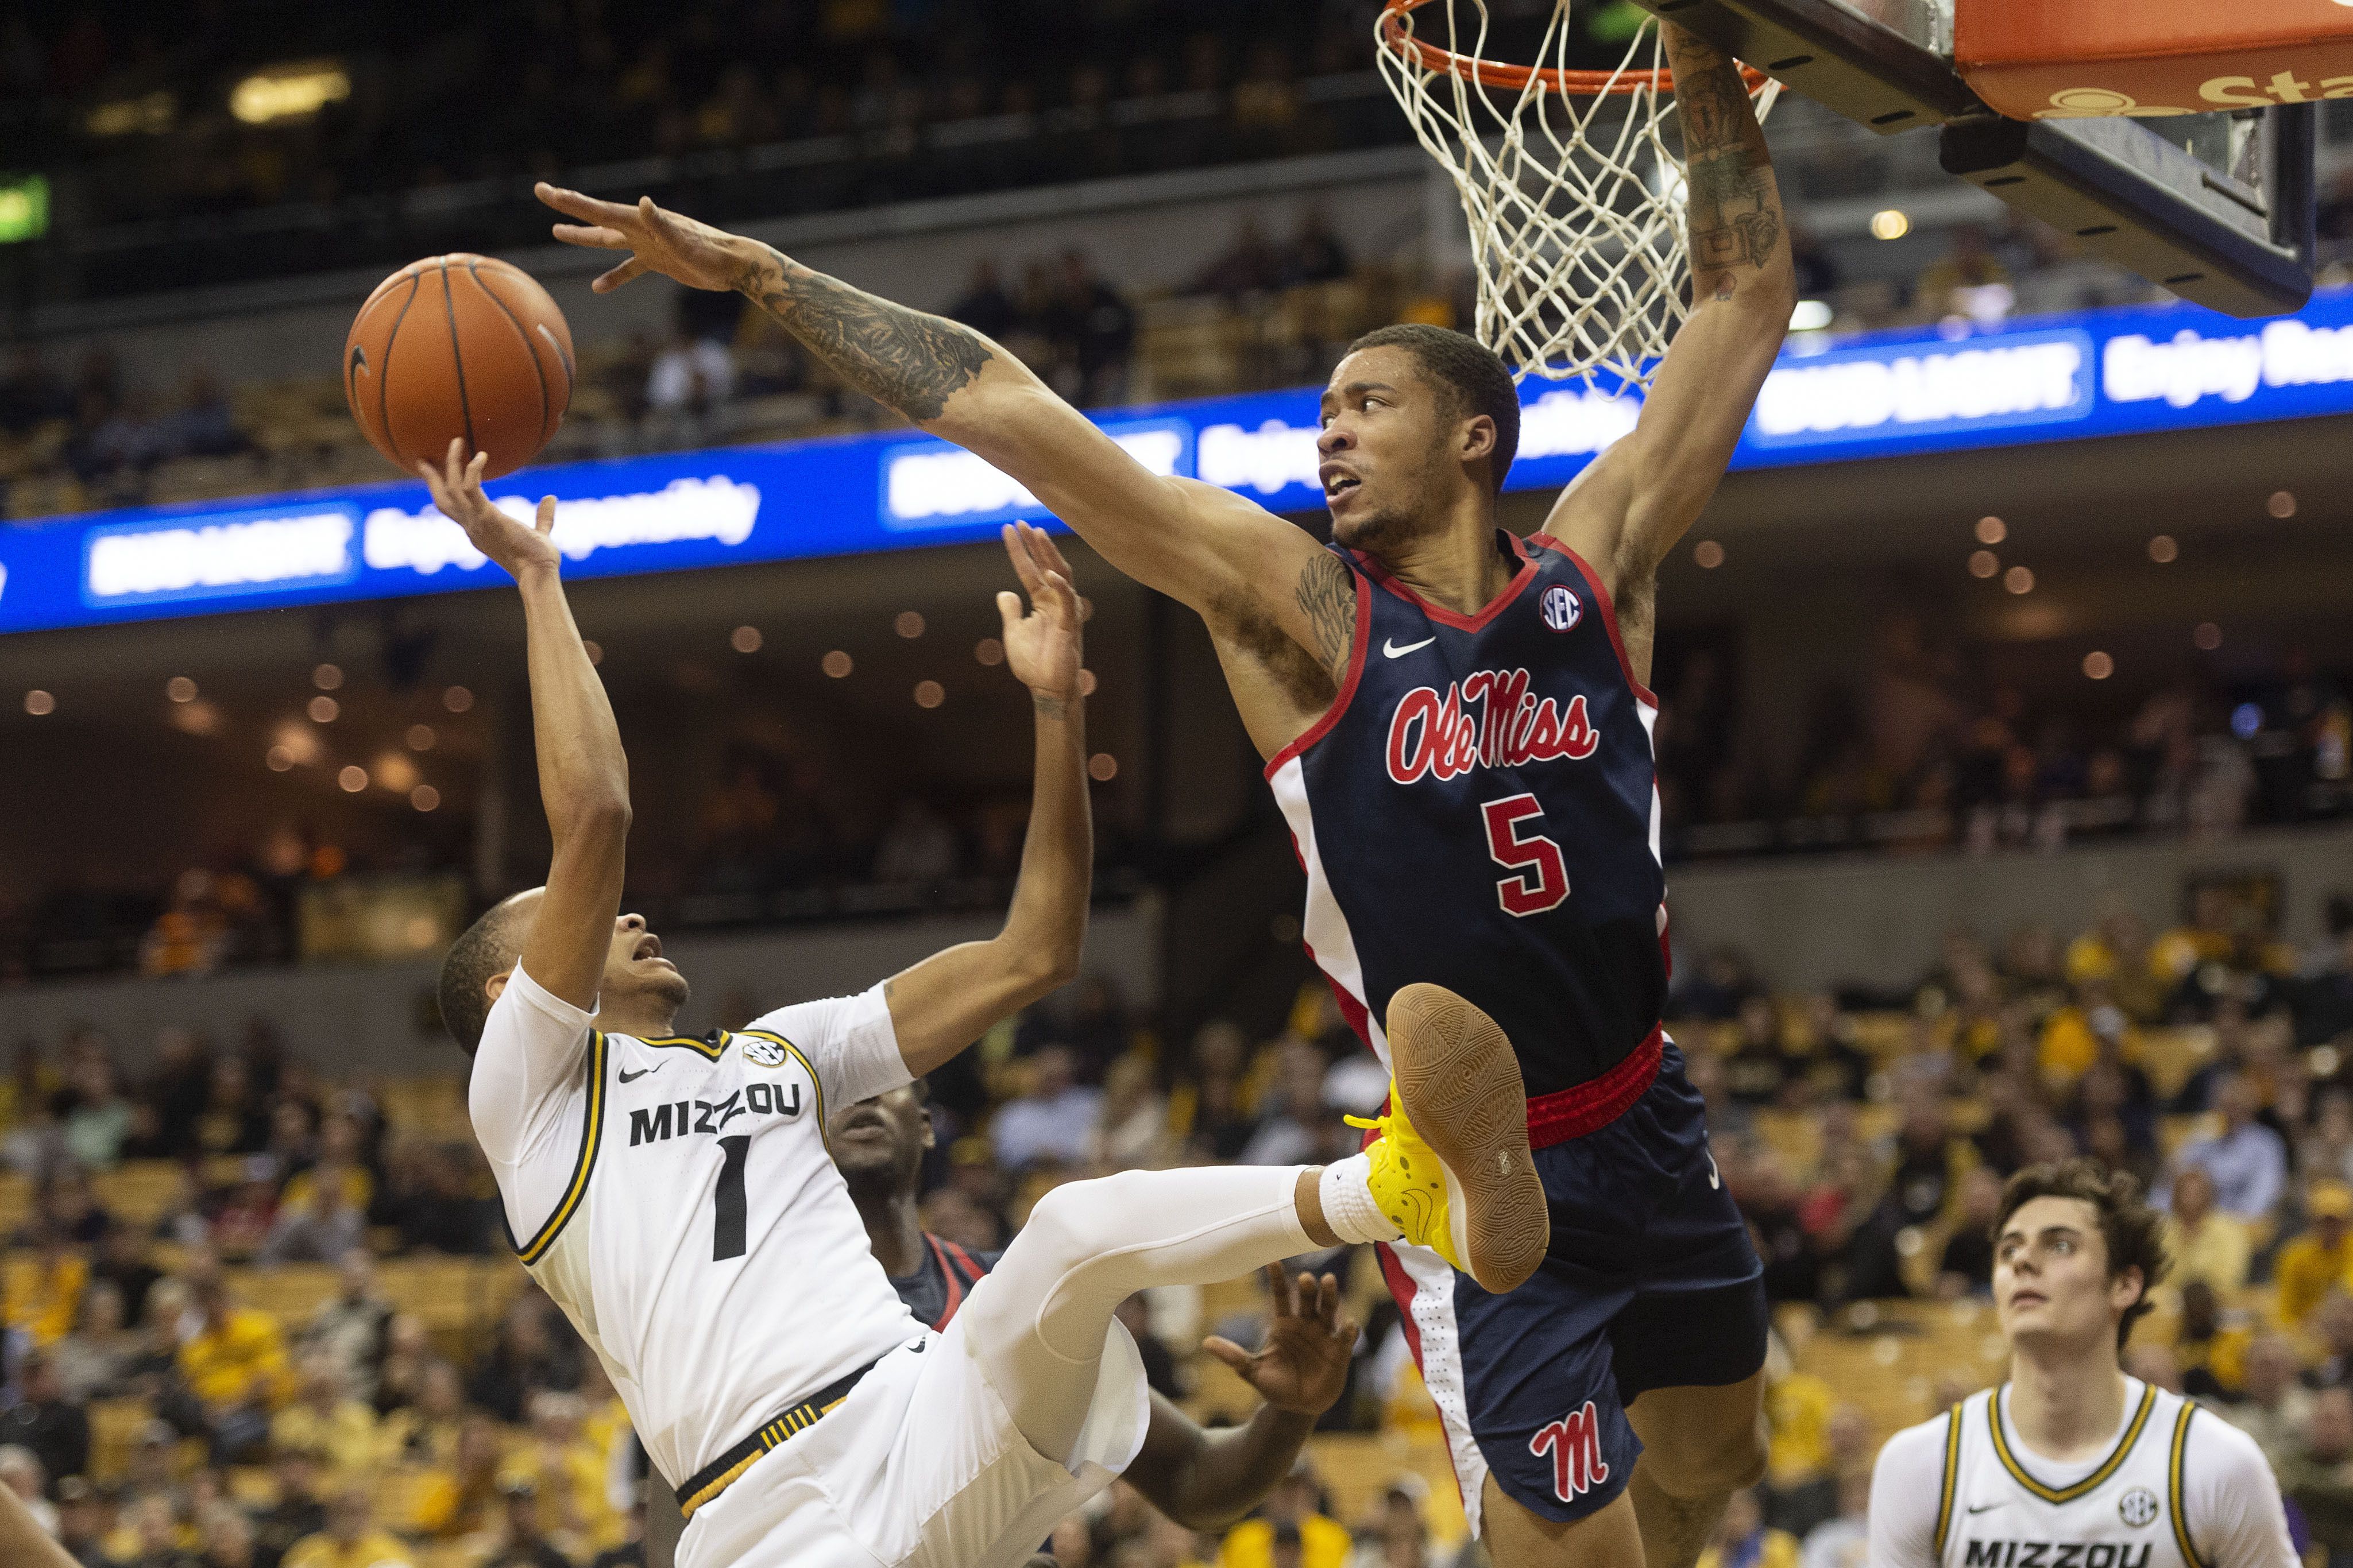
[[1457, 726]]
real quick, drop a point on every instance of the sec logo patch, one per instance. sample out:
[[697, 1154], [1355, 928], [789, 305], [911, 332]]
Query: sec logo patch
[[1561, 609], [2139, 1507], [764, 1053]]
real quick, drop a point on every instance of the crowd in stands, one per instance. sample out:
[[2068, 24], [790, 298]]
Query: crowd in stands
[[218, 1354], [782, 105], [1927, 751]]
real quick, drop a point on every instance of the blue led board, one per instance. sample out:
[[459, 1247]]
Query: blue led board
[[2106, 372]]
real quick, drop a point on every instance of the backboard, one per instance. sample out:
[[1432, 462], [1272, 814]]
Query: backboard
[[2216, 205]]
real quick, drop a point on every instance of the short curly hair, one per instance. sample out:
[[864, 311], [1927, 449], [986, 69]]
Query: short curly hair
[[2133, 1232], [1470, 378], [491, 945]]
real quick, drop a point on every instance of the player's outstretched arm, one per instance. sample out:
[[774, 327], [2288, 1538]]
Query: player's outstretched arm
[[949, 1000], [1207, 1480], [1628, 509], [1193, 542], [584, 776], [23, 1542]]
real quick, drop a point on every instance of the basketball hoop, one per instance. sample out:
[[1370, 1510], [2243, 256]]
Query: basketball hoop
[[1574, 198]]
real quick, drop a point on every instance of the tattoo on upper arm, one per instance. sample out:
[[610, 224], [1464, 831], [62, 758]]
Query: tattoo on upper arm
[[1328, 593], [908, 360]]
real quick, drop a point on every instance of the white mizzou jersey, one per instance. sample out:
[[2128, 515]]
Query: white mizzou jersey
[[2177, 1487], [676, 1198]]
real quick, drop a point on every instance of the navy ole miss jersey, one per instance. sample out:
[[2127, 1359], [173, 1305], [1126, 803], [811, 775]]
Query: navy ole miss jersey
[[1480, 810]]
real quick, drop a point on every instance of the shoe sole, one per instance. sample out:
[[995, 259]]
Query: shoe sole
[[1459, 1085]]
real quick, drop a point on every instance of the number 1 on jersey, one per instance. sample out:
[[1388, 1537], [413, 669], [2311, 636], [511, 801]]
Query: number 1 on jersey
[[1539, 879], [727, 1204]]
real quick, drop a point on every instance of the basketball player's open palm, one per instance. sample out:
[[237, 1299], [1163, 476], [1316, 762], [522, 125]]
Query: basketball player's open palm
[[1044, 646], [1302, 1365], [657, 240], [515, 546]]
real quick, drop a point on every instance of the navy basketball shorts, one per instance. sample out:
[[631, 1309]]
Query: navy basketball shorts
[[1651, 1282]]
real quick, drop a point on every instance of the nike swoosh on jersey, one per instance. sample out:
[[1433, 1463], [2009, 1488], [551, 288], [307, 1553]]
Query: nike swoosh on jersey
[[633, 1076], [1983, 1508], [1389, 647]]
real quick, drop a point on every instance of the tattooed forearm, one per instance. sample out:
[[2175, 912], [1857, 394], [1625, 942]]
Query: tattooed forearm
[[1327, 592], [1735, 210], [905, 359]]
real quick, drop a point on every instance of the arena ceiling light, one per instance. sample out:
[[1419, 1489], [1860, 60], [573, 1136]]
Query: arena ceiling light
[[288, 91]]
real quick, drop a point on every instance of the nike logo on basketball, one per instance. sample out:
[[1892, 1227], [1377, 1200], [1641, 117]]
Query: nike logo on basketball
[[633, 1076], [1389, 647]]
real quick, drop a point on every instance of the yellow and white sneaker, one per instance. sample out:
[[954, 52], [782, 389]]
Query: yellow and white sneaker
[[1451, 1167]]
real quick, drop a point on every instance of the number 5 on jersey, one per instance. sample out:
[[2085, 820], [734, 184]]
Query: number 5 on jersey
[[1539, 879]]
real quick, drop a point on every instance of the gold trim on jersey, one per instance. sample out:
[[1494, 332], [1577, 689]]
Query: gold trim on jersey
[[815, 1083], [2107, 1466], [710, 1051], [1952, 1473], [721, 1473], [2173, 1484], [591, 1136]]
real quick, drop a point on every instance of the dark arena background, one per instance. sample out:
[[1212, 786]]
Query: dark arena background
[[2004, 764]]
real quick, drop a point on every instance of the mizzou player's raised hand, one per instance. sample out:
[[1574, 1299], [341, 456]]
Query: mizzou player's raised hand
[[517, 546], [1043, 648]]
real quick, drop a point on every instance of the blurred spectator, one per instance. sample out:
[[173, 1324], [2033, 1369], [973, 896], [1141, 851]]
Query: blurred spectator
[[1293, 1507], [227, 1539], [529, 1356], [1841, 1542], [523, 1542], [1053, 1122], [2273, 1410], [1316, 254], [1132, 1130], [1099, 329], [1967, 1267], [351, 1327], [44, 1287], [351, 1539], [324, 1417], [2205, 1243], [235, 1362], [82, 1525], [2320, 1261], [2246, 1160], [95, 1357], [44, 1421], [1744, 1540], [1292, 1128], [984, 306], [299, 1510], [2315, 1472]]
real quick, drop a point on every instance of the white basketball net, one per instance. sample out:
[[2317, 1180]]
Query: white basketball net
[[1575, 199]]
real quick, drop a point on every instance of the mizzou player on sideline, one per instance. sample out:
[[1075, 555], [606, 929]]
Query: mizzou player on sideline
[[2069, 1463], [676, 1198], [1457, 727], [1203, 1480]]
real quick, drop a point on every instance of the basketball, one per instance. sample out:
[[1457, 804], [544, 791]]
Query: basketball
[[458, 347]]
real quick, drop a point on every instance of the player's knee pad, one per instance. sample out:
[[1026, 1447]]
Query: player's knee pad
[[1081, 1223]]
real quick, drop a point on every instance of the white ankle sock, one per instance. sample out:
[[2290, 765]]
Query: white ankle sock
[[1349, 1207]]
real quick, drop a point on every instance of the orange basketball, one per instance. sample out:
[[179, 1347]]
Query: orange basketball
[[459, 346]]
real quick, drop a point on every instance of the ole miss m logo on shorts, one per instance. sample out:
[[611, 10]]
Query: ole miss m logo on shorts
[[1574, 1445]]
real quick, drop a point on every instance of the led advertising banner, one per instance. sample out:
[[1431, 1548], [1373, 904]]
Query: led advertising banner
[[2109, 372]]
